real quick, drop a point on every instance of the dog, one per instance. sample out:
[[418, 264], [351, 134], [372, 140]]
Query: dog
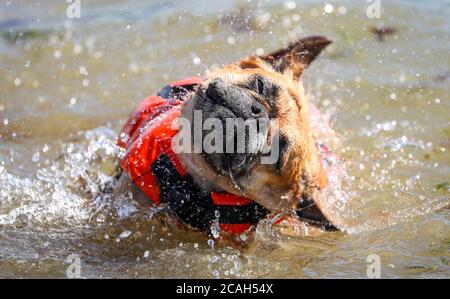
[[232, 191]]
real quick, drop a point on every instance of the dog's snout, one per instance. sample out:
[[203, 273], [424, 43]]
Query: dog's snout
[[226, 101], [234, 98]]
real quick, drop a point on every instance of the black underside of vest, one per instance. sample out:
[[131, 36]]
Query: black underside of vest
[[195, 206]]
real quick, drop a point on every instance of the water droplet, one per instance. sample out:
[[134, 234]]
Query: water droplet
[[125, 234], [243, 237], [85, 82], [73, 101], [36, 156], [133, 67], [98, 54], [290, 5], [57, 54], [342, 10], [83, 70], [328, 8], [147, 254], [17, 82], [264, 18], [295, 17], [196, 60], [77, 49]]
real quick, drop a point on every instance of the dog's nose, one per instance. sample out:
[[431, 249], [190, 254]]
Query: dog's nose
[[230, 96]]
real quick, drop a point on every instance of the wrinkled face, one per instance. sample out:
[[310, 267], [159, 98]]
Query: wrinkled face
[[255, 117], [244, 103]]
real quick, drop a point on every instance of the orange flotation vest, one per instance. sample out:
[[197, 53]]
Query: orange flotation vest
[[156, 170]]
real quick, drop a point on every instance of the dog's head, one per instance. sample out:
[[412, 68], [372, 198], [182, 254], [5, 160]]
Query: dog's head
[[256, 111]]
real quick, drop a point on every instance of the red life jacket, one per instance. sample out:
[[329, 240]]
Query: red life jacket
[[147, 136]]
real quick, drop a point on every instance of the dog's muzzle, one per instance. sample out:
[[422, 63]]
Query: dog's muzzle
[[245, 128]]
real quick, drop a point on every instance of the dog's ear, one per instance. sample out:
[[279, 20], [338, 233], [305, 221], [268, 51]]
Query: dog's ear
[[296, 57]]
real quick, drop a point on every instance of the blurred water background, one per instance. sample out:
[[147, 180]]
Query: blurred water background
[[67, 86]]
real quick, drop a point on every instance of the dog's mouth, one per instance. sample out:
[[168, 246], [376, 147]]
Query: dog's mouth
[[242, 151], [239, 165]]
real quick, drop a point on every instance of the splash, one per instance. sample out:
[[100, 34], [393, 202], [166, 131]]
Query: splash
[[74, 191]]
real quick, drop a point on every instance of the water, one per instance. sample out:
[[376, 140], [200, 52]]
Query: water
[[68, 85]]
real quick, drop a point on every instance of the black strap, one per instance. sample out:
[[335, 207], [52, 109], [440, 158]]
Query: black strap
[[195, 206], [178, 92], [251, 213]]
